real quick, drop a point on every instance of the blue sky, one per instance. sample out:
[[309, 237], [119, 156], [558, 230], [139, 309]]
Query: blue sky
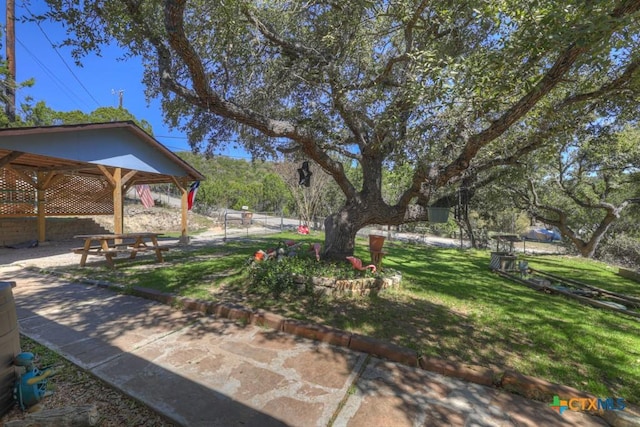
[[65, 86]]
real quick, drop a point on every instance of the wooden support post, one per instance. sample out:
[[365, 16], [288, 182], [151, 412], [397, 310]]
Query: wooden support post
[[117, 182], [118, 199], [40, 194], [182, 186], [184, 222]]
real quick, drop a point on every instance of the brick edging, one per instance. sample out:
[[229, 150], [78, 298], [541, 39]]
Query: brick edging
[[511, 381]]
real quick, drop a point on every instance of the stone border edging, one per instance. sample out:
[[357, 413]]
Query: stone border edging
[[508, 380]]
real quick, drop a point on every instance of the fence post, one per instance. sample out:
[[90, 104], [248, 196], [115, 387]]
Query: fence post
[[225, 226]]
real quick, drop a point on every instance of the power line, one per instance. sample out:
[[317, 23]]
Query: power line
[[60, 56], [227, 141], [175, 148], [52, 75], [171, 137]]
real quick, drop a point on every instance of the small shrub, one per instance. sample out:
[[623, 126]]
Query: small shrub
[[621, 249], [277, 277]]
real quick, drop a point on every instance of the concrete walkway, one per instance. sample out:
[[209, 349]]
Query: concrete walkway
[[201, 371]]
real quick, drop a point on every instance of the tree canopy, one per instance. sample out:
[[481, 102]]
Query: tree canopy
[[41, 114], [441, 89], [584, 188]]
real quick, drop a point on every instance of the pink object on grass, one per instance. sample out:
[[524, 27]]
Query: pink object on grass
[[316, 248], [357, 264]]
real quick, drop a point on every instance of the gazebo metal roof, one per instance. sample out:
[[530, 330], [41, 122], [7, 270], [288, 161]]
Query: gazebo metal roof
[[79, 149]]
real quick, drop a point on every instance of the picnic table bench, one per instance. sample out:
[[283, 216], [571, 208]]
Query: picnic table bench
[[111, 245]]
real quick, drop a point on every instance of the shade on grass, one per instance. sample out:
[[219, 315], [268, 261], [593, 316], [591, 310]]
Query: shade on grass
[[450, 305]]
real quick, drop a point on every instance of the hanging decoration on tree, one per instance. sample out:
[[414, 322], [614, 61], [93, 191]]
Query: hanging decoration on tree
[[461, 211], [304, 175]]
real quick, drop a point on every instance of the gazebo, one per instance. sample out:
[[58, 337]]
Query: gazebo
[[83, 169]]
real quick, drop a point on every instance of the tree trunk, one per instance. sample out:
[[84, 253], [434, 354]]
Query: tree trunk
[[340, 234], [469, 230], [588, 248]]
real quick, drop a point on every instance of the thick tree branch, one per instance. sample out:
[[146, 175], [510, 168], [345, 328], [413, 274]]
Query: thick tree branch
[[560, 221], [349, 116], [560, 218], [290, 49], [517, 111], [408, 32], [549, 81], [342, 152], [539, 138], [405, 57], [203, 96], [614, 86]]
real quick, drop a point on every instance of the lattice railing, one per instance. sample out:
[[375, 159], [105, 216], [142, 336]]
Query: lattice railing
[[79, 195], [67, 195], [17, 196]]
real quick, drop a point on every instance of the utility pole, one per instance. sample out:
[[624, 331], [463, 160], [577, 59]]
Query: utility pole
[[10, 85], [120, 96]]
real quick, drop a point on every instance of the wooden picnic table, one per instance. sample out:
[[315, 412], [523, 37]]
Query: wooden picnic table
[[110, 245]]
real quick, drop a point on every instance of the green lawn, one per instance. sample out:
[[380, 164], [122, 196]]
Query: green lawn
[[450, 305]]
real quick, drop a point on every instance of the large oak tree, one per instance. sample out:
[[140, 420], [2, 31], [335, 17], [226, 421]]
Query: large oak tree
[[442, 86]]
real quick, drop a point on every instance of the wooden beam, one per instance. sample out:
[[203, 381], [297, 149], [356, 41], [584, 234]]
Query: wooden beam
[[45, 181], [180, 185], [127, 181], [128, 176], [55, 178], [88, 169], [22, 175], [108, 175], [10, 158]]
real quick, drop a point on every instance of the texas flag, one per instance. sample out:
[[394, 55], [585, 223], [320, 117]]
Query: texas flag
[[192, 194]]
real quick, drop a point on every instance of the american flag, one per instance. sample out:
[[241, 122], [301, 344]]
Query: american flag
[[144, 192], [191, 197]]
